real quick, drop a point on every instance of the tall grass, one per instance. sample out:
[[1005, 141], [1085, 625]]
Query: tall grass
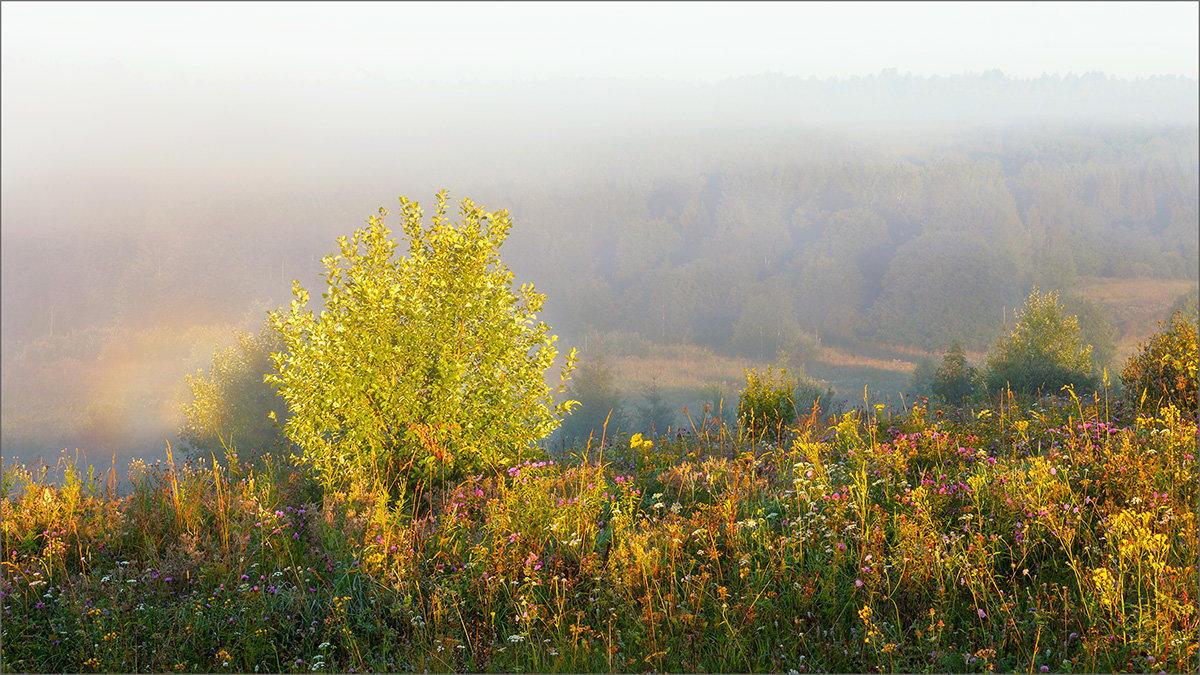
[[1052, 536]]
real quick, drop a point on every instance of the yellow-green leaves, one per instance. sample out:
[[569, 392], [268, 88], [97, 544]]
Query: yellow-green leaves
[[422, 367]]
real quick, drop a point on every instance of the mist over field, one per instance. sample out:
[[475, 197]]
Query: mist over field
[[148, 214]]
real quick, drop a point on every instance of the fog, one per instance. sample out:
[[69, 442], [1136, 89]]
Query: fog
[[149, 210]]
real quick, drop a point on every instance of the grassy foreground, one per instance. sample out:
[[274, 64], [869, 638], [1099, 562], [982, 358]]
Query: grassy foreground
[[1058, 536]]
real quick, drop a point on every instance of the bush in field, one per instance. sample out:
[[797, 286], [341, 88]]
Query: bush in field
[[809, 392], [954, 381], [765, 404], [1164, 369], [232, 407], [1042, 353], [772, 400], [921, 383], [1095, 329], [656, 415], [422, 367], [601, 405]]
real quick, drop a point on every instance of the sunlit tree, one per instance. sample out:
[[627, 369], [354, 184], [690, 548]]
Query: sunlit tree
[[420, 367]]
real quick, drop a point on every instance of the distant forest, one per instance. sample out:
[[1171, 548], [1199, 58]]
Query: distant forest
[[852, 244], [742, 242]]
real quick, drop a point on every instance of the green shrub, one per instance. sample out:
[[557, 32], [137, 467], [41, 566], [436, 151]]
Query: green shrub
[[772, 401], [954, 381], [232, 408], [809, 393], [766, 405], [1042, 353], [921, 383], [601, 406], [1163, 371], [1095, 329], [656, 415], [420, 368]]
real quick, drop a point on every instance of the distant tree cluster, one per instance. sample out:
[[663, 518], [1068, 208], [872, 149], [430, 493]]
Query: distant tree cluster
[[848, 245], [1044, 352]]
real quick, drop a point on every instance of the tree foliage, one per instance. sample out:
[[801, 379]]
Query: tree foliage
[[601, 408], [765, 404], [419, 367], [1095, 329], [921, 383], [954, 381], [1164, 369], [773, 400], [232, 408], [655, 415], [1042, 353]]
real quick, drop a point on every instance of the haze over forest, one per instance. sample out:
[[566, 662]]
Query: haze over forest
[[744, 216]]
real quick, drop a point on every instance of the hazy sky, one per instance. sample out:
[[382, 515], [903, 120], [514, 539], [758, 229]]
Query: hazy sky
[[698, 42]]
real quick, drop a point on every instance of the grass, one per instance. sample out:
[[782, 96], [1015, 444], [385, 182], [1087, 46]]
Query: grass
[[1056, 536], [1135, 306]]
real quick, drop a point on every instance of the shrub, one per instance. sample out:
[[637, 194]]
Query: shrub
[[419, 368], [765, 405], [921, 383], [1163, 370], [772, 400], [656, 416], [954, 381], [1043, 351], [601, 408], [232, 408], [1095, 329]]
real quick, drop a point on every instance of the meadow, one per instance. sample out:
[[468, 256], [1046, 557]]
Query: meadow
[[1049, 535]]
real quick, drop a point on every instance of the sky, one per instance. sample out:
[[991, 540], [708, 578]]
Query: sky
[[686, 41], [84, 84]]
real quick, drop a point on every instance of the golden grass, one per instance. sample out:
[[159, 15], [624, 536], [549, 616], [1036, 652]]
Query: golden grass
[[682, 367], [1135, 306]]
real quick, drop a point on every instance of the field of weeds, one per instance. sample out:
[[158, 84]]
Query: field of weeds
[[1058, 536]]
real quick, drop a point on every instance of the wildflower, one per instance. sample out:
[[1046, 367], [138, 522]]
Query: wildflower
[[982, 614]]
